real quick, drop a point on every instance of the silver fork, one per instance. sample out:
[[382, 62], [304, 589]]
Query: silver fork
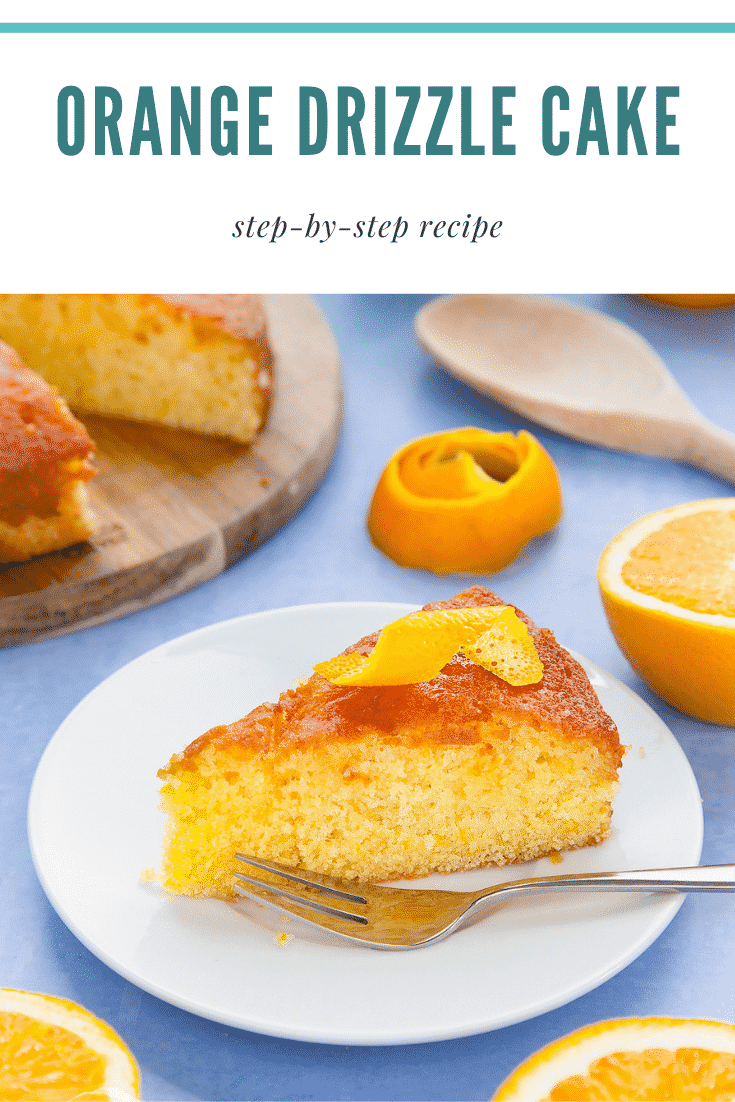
[[406, 918]]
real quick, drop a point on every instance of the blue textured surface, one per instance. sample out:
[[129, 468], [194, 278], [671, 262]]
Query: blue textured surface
[[393, 393]]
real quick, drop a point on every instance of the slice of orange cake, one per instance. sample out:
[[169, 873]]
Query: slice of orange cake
[[44, 465], [380, 782]]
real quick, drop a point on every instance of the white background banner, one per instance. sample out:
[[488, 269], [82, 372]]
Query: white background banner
[[585, 220]]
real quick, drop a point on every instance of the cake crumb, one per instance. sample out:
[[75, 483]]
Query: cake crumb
[[641, 752], [265, 483], [555, 857], [283, 939], [148, 875]]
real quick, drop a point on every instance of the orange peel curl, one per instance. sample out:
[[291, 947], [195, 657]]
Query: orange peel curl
[[465, 500], [416, 648]]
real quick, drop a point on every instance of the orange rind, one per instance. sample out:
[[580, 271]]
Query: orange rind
[[659, 1059], [52, 1050], [668, 590], [417, 647], [466, 500], [695, 302]]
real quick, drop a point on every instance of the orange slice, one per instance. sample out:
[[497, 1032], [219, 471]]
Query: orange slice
[[659, 1059], [52, 1050], [464, 500], [668, 588], [417, 647]]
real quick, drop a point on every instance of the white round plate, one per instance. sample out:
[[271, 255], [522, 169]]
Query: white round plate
[[94, 825]]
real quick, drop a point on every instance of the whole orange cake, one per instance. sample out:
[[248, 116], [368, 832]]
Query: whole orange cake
[[199, 362], [381, 783], [44, 465]]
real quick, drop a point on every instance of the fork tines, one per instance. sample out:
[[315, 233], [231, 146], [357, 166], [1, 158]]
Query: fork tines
[[307, 886]]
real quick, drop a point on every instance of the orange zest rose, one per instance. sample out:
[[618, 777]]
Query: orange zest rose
[[465, 500]]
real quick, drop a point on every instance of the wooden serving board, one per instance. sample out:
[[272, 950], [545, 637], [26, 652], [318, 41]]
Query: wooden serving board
[[175, 508]]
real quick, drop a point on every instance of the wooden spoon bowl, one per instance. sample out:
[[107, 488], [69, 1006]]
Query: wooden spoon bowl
[[575, 371]]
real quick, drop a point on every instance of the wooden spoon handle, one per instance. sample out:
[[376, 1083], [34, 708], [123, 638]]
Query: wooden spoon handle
[[712, 449]]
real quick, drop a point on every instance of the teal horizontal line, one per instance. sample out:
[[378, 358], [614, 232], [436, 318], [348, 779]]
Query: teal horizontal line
[[367, 28]]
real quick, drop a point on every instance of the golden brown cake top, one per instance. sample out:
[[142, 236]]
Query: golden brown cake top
[[445, 710], [38, 438], [35, 424], [241, 316]]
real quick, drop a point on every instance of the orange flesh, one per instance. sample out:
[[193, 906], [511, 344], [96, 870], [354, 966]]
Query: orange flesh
[[445, 710], [689, 562], [656, 1074], [44, 1063]]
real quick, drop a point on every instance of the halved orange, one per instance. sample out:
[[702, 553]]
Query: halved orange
[[668, 589], [52, 1050], [659, 1059], [465, 500]]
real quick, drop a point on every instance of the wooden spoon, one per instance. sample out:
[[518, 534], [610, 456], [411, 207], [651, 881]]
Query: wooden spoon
[[576, 371]]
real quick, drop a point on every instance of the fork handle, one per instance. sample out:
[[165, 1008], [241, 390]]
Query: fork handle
[[701, 878]]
